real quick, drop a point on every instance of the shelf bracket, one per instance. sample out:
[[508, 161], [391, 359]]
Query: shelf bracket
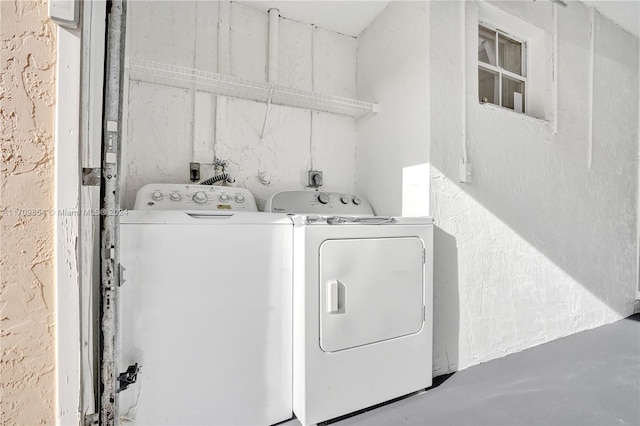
[[266, 115]]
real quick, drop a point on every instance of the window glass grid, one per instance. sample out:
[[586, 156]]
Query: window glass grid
[[501, 69]]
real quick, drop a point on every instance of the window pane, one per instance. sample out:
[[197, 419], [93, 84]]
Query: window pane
[[486, 46], [487, 86], [510, 54], [513, 94]]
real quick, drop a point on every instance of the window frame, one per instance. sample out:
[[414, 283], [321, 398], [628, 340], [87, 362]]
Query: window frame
[[501, 72]]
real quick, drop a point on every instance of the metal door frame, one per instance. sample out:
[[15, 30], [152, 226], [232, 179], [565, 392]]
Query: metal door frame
[[112, 127]]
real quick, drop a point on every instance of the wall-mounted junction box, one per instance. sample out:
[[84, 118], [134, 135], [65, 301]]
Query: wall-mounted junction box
[[465, 173]]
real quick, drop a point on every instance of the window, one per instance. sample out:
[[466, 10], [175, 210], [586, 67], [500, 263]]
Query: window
[[501, 68]]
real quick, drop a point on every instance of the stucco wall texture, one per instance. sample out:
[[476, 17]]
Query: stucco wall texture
[[27, 99]]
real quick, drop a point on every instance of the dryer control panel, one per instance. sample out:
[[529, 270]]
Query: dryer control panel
[[177, 196], [320, 203]]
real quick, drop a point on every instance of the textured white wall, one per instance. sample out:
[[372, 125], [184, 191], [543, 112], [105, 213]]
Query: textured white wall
[[393, 71], [159, 122], [27, 241], [539, 246]]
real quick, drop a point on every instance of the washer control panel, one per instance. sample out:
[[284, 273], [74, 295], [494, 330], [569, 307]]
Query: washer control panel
[[312, 202], [177, 196]]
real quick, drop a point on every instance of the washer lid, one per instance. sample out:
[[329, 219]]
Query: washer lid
[[371, 290], [201, 217]]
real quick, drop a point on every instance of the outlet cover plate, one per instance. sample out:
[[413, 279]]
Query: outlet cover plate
[[314, 179]]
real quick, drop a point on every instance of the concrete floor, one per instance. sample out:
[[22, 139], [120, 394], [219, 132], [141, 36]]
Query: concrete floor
[[590, 378]]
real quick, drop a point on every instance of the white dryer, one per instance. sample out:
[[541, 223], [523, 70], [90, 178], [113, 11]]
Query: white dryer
[[205, 308], [362, 304]]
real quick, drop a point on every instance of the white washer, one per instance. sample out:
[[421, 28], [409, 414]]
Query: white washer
[[362, 304], [205, 308]]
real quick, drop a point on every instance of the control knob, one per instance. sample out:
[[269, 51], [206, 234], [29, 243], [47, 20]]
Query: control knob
[[323, 198], [200, 197], [356, 201], [344, 199], [157, 195], [223, 198], [175, 196]]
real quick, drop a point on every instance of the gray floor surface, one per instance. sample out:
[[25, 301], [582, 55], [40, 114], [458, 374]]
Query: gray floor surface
[[589, 378]]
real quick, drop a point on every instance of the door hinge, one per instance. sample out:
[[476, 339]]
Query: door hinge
[[122, 280], [129, 377], [91, 176]]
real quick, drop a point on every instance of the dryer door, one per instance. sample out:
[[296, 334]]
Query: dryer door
[[371, 290]]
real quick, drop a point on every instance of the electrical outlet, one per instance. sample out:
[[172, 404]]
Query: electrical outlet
[[465, 173], [194, 172], [314, 179]]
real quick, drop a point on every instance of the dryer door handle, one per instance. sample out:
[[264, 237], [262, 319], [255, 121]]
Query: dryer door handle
[[336, 296]]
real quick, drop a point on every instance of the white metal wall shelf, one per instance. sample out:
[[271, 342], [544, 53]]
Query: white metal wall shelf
[[225, 85]]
